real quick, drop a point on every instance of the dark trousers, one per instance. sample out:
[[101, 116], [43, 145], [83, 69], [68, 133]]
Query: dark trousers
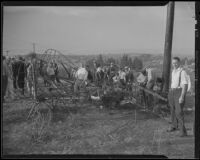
[[21, 82], [56, 77], [150, 97], [176, 108], [79, 85], [15, 81], [122, 82], [4, 84]]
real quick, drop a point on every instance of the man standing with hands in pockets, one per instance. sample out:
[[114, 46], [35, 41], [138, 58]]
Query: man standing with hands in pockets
[[176, 97]]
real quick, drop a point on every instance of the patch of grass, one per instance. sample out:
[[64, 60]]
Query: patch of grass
[[87, 130]]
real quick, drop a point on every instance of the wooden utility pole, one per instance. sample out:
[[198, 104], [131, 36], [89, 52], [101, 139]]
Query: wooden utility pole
[[168, 46]]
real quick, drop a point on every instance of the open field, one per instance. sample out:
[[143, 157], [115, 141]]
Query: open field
[[87, 129], [84, 128]]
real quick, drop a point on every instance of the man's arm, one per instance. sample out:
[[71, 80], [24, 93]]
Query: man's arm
[[124, 76], [184, 90], [149, 76], [86, 76], [184, 86]]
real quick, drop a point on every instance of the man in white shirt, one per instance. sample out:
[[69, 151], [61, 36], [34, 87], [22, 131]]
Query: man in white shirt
[[176, 97], [122, 77], [151, 77], [81, 79]]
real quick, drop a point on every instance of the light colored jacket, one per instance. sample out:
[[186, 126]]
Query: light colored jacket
[[141, 78], [81, 74], [151, 74], [50, 71]]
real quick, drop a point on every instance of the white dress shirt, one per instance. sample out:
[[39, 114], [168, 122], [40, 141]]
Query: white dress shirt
[[122, 75], [176, 76]]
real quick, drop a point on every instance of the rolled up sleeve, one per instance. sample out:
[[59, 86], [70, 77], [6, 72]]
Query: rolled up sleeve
[[150, 77], [184, 79]]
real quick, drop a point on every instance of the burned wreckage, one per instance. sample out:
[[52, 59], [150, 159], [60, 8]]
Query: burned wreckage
[[73, 84]]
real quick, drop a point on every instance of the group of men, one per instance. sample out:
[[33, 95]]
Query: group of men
[[18, 74], [176, 95], [16, 70], [122, 77], [103, 75], [14, 73], [112, 75], [148, 78]]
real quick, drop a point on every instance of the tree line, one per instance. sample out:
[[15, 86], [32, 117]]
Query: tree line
[[125, 60]]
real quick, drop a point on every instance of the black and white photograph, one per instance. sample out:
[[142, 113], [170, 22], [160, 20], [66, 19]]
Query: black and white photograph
[[99, 80]]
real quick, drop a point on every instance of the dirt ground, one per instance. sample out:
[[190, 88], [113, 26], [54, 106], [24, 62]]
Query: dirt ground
[[87, 129]]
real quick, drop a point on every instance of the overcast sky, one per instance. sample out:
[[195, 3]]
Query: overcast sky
[[94, 30]]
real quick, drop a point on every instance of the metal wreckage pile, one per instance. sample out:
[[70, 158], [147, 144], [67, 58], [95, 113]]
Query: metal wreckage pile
[[112, 96], [108, 95]]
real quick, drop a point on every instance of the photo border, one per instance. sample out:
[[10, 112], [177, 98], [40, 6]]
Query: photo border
[[115, 3]]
